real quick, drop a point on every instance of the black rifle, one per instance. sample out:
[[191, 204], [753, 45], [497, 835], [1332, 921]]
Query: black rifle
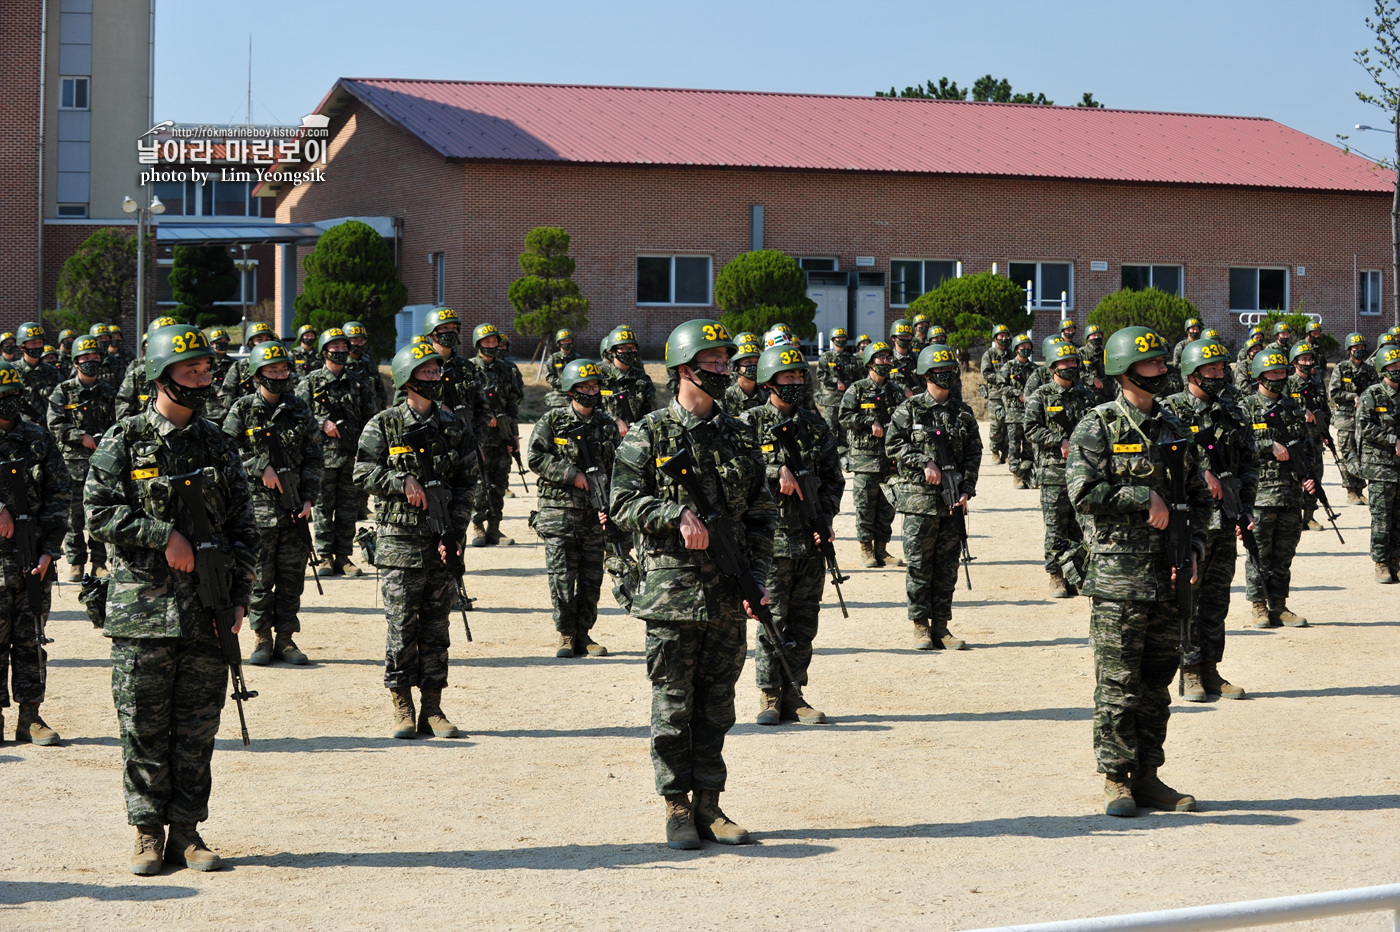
[[439, 516], [507, 431], [1232, 508], [785, 435], [1299, 462], [213, 571], [26, 541], [1063, 418], [290, 497], [952, 479], [598, 482], [1179, 543], [727, 550], [335, 412]]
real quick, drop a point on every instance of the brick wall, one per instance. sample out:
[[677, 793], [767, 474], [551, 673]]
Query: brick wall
[[19, 163]]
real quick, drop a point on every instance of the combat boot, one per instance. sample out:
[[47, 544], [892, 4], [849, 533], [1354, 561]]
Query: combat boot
[[1018, 482], [867, 555], [1194, 690], [75, 573], [286, 650], [187, 848], [478, 534], [882, 553], [1217, 685], [1383, 573], [1261, 617], [585, 646], [1354, 497], [263, 648], [31, 729], [1151, 793], [326, 566], [150, 845], [494, 535], [769, 706], [945, 637], [796, 709], [1118, 796], [1289, 618], [1311, 522], [712, 824], [566, 647], [402, 699], [347, 568], [923, 638], [430, 717], [1059, 589], [100, 570], [680, 823]]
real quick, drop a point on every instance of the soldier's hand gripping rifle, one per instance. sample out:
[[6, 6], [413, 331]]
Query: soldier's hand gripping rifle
[[616, 538], [727, 550], [1299, 462], [26, 541], [289, 499], [785, 435], [1232, 507], [505, 424], [952, 480], [1179, 542], [439, 498], [213, 576]]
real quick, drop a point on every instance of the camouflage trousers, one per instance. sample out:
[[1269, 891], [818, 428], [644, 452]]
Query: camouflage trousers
[[1350, 455], [573, 557], [1310, 498], [489, 498], [1385, 521], [1216, 572], [931, 552], [831, 414], [334, 513], [1018, 450], [23, 660], [1136, 651], [874, 513], [77, 545], [693, 666], [1278, 531], [1063, 535], [416, 605], [996, 420], [796, 587], [169, 693], [279, 581]]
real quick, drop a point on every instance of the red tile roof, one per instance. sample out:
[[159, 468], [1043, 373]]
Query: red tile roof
[[658, 126]]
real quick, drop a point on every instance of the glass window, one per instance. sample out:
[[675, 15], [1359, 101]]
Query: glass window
[[1273, 289], [937, 271], [1048, 281], [692, 280], [440, 278], [1244, 289], [653, 279], [818, 264], [673, 280], [230, 198], [172, 195], [906, 281], [164, 294], [72, 210], [1162, 277], [1137, 277], [73, 94], [1368, 293], [1253, 289]]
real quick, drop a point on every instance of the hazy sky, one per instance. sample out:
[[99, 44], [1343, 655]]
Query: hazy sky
[[1290, 60]]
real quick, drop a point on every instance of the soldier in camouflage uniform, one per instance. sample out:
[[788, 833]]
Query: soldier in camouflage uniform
[[931, 541], [1304, 388], [628, 392], [65, 353], [1319, 354], [169, 678], [80, 411], [920, 323], [937, 334], [418, 585], [1255, 331], [497, 431], [134, 390], [1013, 376], [696, 627], [1350, 378], [837, 369], [1042, 372], [1279, 425], [239, 381], [306, 358], [1051, 415], [1245, 383], [39, 377], [1193, 333], [113, 368], [905, 359], [798, 572], [273, 411], [1386, 339], [9, 350], [222, 362], [866, 409], [1118, 481], [1218, 426], [992, 389], [1378, 436], [362, 362], [744, 391], [1091, 362], [571, 528], [118, 347], [554, 368], [1283, 337]]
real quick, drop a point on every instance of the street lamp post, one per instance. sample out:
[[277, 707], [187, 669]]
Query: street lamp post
[[1394, 213], [143, 222], [244, 266]]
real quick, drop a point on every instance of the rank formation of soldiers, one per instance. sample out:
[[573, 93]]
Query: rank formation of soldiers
[[199, 489]]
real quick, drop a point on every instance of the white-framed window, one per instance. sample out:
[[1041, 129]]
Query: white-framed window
[[819, 264], [1048, 281], [439, 278], [73, 94], [910, 278], [1258, 288], [213, 198], [72, 210], [674, 280], [1369, 296], [1166, 278]]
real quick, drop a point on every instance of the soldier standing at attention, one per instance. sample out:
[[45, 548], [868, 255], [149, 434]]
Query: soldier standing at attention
[[571, 528], [1051, 415], [362, 362], [837, 370], [1013, 376], [273, 415], [80, 411], [921, 338], [305, 357], [117, 348], [1213, 418], [798, 571], [628, 392], [239, 381], [1319, 354], [497, 430], [65, 353], [554, 369], [1245, 383], [1091, 361], [169, 679], [1118, 480], [1304, 388], [1377, 417], [134, 389], [866, 409], [418, 586], [112, 367], [1193, 333], [991, 389], [1283, 337], [744, 392], [39, 377], [1068, 331], [904, 358], [1350, 378], [930, 535], [1255, 331], [696, 627], [218, 342]]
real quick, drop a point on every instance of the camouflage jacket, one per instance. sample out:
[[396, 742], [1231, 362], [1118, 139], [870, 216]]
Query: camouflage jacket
[[818, 446], [367, 368], [909, 443], [500, 399], [628, 396], [215, 409], [554, 368], [1244, 378], [1276, 420], [306, 360], [1013, 375], [384, 461], [49, 489], [65, 366], [76, 409], [1311, 397], [345, 399], [992, 361], [903, 374], [1377, 429], [864, 405], [134, 392], [1092, 362], [238, 381], [39, 380], [837, 368], [736, 402], [1114, 466], [555, 457], [114, 367], [1222, 420], [131, 503], [460, 394], [1048, 409], [291, 421], [648, 504], [1349, 380], [1176, 350]]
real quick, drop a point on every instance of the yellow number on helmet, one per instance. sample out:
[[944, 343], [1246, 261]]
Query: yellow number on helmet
[[626, 336], [275, 352], [707, 329], [447, 314]]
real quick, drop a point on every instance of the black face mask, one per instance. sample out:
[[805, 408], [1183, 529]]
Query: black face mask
[[882, 369], [276, 386], [1274, 385], [1358, 353], [902, 344], [193, 398], [1156, 384], [448, 338], [586, 400], [220, 347], [1024, 352], [90, 367], [790, 394], [1305, 371], [33, 353], [629, 358], [840, 345], [711, 383], [1392, 377], [1068, 373], [488, 352], [339, 357], [566, 348], [943, 378], [749, 372], [1212, 387], [9, 407], [429, 390], [358, 349]]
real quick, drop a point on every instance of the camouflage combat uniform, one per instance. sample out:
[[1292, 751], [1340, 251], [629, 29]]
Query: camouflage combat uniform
[[1091, 366], [1377, 416], [1310, 396], [500, 399], [134, 392], [992, 390], [903, 375], [864, 405], [737, 401], [628, 396], [1349, 380], [1013, 375], [1047, 409], [216, 410], [40, 379], [346, 400], [553, 372], [74, 410], [837, 370], [114, 367], [305, 359], [366, 368], [1278, 503]]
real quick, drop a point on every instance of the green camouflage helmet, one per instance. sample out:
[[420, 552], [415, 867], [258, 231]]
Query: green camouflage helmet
[[690, 339], [172, 344], [934, 356], [266, 354], [259, 327], [1068, 324], [1211, 334], [1394, 331], [1385, 340], [1021, 339], [747, 336], [218, 335], [1282, 327], [873, 350], [745, 350], [777, 359], [10, 379], [920, 318], [1299, 349], [1000, 329], [67, 335], [1130, 345], [1193, 323], [1255, 339], [1387, 357], [353, 328], [410, 358], [1271, 361], [1060, 352], [1356, 339], [86, 344], [1315, 326], [419, 338], [1091, 330], [864, 338], [439, 316], [1047, 346], [303, 330], [621, 335], [783, 327], [580, 370], [838, 333], [156, 324], [561, 335], [1202, 352], [29, 331], [481, 332], [329, 335], [96, 330], [901, 330]]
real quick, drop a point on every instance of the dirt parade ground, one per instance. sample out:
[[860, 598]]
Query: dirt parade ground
[[949, 791]]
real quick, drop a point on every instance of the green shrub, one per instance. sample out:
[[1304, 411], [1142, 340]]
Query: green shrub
[[352, 276], [762, 288], [547, 298], [98, 282], [1151, 307], [1299, 323], [970, 306]]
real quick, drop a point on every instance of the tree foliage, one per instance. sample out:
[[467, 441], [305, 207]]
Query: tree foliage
[[200, 277], [1088, 101], [1149, 307], [943, 90], [987, 89], [1298, 322], [352, 276], [970, 306], [98, 282], [762, 288], [547, 298]]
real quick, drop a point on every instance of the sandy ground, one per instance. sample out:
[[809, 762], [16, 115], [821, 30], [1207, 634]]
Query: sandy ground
[[950, 791]]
